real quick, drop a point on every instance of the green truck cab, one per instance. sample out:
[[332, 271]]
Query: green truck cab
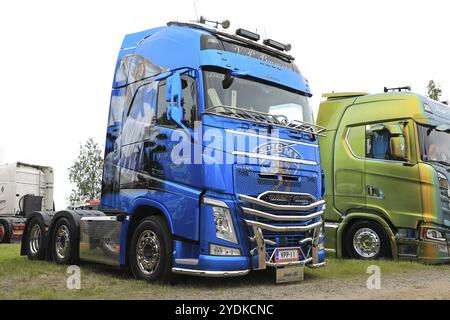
[[386, 159]]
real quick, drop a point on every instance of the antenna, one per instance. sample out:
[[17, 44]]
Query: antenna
[[196, 12]]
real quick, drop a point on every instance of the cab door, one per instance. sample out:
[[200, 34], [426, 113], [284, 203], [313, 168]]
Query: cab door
[[391, 172], [173, 151], [173, 158]]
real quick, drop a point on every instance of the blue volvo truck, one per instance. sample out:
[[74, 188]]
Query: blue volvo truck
[[212, 163]]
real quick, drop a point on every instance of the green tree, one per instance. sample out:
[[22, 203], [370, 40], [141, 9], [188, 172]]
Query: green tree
[[434, 90], [86, 173]]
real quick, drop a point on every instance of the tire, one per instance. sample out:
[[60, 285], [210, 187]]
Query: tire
[[5, 232], [64, 243], [150, 239], [35, 240], [366, 240]]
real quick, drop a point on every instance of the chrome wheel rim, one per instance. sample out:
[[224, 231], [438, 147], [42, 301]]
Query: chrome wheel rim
[[148, 252], [2, 232], [366, 243], [62, 242], [35, 239]]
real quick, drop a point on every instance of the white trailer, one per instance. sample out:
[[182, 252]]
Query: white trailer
[[23, 188]]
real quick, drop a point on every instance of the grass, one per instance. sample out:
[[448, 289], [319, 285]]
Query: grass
[[24, 279]]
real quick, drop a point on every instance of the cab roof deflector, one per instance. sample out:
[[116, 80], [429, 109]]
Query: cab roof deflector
[[343, 95]]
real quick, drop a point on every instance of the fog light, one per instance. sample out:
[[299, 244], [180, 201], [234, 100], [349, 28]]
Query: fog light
[[405, 233], [216, 250]]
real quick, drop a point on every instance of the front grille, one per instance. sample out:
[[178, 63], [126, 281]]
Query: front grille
[[253, 183], [445, 206]]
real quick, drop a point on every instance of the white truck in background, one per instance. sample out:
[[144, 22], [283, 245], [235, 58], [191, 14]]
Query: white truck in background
[[24, 188]]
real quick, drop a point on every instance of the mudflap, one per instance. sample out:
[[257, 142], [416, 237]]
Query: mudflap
[[290, 274]]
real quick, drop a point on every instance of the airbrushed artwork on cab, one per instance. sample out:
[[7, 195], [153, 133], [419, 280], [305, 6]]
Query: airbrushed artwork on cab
[[132, 111]]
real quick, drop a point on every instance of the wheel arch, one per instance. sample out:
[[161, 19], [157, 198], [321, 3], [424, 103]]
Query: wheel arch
[[74, 217], [353, 217], [143, 208], [46, 220]]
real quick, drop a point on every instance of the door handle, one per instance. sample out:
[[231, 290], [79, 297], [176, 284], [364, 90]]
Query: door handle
[[375, 192]]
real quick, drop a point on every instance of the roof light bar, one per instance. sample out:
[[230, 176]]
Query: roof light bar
[[277, 45], [247, 34]]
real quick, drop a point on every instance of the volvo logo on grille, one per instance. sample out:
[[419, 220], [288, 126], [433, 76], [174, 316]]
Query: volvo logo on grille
[[287, 198], [279, 153]]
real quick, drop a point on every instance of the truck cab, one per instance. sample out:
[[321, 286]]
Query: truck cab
[[23, 188], [387, 160], [212, 162]]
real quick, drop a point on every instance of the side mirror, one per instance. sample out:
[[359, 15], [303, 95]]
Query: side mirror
[[174, 95], [398, 148]]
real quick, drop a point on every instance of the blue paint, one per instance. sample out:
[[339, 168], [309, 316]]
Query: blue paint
[[139, 171]]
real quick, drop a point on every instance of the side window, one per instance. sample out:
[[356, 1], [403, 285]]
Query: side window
[[140, 117], [189, 103], [355, 141], [161, 115], [385, 141]]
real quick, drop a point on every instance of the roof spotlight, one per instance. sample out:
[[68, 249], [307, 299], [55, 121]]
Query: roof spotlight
[[277, 45], [247, 34]]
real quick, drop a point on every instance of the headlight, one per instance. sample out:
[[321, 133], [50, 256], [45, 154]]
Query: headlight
[[443, 183], [216, 250], [434, 234], [222, 220], [224, 224]]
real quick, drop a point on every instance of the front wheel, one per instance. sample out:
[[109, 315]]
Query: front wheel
[[151, 250], [367, 240]]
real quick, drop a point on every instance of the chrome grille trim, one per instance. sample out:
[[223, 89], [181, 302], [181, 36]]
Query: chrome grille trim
[[269, 227], [273, 157], [310, 253], [274, 206], [279, 217]]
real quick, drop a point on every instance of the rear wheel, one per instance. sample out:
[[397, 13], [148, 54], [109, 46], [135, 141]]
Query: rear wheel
[[367, 240], [64, 248], [4, 232], [35, 240], [151, 250]]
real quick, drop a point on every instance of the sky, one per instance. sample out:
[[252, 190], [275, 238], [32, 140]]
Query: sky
[[59, 58]]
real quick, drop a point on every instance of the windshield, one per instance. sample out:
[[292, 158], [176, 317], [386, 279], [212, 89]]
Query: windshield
[[255, 96], [434, 145]]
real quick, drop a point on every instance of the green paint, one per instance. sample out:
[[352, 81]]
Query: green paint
[[391, 185]]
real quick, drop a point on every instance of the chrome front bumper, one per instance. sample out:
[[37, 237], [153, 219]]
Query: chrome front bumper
[[310, 257], [211, 274]]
